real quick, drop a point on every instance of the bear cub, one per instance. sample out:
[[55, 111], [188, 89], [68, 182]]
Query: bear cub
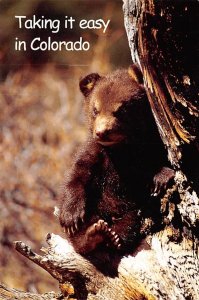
[[107, 192]]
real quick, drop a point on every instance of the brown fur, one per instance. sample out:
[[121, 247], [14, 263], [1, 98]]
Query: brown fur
[[112, 173]]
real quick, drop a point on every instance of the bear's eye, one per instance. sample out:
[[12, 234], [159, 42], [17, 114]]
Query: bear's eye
[[95, 112], [124, 109]]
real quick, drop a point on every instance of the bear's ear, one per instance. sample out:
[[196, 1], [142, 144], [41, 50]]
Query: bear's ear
[[135, 73], [87, 83]]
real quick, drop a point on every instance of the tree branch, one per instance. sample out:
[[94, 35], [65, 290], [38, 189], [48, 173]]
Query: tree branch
[[65, 265], [159, 272], [10, 294]]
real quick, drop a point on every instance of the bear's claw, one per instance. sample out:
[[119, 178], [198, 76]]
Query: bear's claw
[[101, 226], [114, 237], [162, 180], [72, 229]]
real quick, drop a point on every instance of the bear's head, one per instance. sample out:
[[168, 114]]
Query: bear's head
[[116, 105]]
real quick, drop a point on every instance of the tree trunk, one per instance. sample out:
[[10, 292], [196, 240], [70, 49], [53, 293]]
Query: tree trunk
[[164, 41], [163, 38]]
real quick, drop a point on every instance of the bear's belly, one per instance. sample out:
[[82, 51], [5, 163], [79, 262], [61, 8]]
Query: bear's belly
[[117, 204], [121, 214], [122, 192]]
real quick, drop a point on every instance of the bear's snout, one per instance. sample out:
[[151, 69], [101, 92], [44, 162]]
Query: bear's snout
[[102, 135], [107, 133]]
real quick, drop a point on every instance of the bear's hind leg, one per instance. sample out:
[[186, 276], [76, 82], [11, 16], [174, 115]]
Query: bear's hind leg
[[102, 230], [88, 240]]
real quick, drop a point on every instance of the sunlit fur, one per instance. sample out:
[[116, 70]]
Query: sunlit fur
[[107, 99], [113, 171]]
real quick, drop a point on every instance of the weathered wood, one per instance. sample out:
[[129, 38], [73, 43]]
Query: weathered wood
[[65, 265], [11, 294], [146, 274], [163, 38]]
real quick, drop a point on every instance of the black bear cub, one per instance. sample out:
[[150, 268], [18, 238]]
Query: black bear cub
[[108, 187]]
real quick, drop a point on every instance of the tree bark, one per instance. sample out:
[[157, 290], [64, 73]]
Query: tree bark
[[10, 294], [147, 274], [163, 38]]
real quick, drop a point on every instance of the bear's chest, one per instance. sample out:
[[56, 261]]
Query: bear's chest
[[123, 173], [118, 191]]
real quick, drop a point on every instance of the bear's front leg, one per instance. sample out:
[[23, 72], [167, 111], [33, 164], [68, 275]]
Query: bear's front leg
[[162, 181], [72, 209], [76, 189]]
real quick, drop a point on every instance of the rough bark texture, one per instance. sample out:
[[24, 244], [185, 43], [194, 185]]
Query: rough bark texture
[[11, 294], [148, 274], [163, 38]]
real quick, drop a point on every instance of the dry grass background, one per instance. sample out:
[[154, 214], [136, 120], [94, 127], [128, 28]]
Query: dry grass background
[[41, 126]]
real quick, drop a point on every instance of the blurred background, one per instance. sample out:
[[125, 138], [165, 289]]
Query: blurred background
[[42, 122]]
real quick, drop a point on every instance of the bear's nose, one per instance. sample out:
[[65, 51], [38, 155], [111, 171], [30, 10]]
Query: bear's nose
[[102, 135]]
